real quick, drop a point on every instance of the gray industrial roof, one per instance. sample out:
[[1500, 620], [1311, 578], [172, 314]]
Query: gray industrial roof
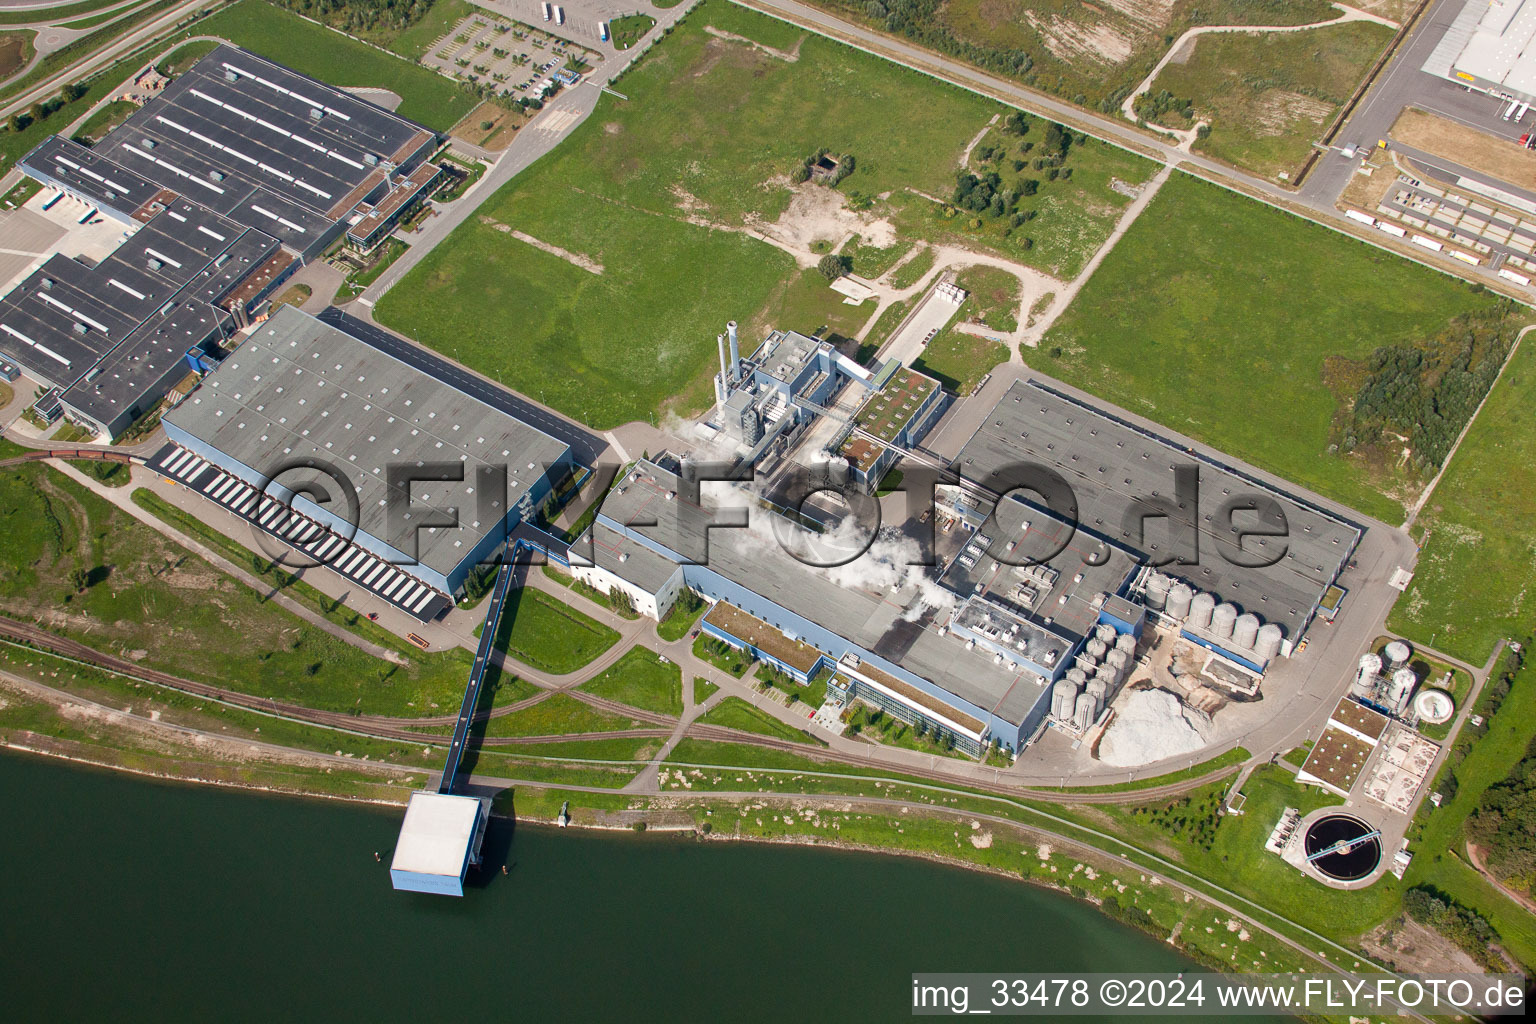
[[1113, 467], [91, 175], [299, 389], [881, 621], [628, 560], [263, 145], [1502, 49], [110, 333], [1080, 568]]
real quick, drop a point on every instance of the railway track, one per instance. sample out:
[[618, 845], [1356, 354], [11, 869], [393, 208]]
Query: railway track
[[388, 728]]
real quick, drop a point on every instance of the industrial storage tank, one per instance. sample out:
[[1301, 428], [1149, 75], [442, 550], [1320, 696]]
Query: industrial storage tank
[[1179, 596], [1108, 673], [1096, 649], [1127, 643], [1098, 689], [1085, 712], [1156, 593], [1222, 619], [1434, 706], [1106, 633], [1403, 682], [1370, 665], [1268, 646], [1200, 610], [1118, 660], [1077, 677], [1397, 654], [1245, 631], [1063, 699]]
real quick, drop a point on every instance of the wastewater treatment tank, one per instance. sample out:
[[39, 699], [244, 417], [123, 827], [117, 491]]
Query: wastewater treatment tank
[[1350, 856], [1434, 706]]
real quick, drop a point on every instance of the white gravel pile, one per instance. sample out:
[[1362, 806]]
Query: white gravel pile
[[1150, 725]]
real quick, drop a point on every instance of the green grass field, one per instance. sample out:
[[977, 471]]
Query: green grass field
[[735, 713], [958, 361], [425, 96], [186, 626], [994, 298], [1211, 301], [1476, 577], [641, 680], [1089, 54], [1442, 862], [707, 139], [548, 634], [1267, 122], [556, 715]]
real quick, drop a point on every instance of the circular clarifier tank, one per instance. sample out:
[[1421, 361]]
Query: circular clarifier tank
[[1347, 854], [1434, 706]]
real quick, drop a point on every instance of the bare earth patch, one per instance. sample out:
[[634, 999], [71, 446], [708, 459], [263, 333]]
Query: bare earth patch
[[1497, 158], [1071, 41], [817, 213], [1278, 111], [575, 259], [789, 56]]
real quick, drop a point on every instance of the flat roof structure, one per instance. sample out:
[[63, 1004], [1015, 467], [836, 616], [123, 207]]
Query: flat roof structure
[[892, 611], [300, 392], [888, 411], [623, 557], [436, 841], [265, 146], [1500, 52], [110, 336], [1118, 472]]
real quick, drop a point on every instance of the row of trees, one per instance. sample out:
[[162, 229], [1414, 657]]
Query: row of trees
[[1427, 392], [1504, 825], [43, 109], [1467, 929], [362, 17]]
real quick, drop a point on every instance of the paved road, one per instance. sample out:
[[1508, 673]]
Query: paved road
[[106, 55], [546, 131], [1401, 84]]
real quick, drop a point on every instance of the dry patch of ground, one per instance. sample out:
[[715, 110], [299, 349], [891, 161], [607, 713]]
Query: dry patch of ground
[[575, 259], [789, 56], [821, 214], [1071, 41], [1498, 158], [1410, 946], [489, 127], [1277, 112]]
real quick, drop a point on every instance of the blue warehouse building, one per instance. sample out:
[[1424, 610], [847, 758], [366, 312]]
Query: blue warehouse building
[[314, 410]]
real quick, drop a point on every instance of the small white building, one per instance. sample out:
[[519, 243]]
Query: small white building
[[651, 580], [439, 840]]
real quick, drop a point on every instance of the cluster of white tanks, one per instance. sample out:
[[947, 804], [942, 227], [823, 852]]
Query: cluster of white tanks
[[1101, 668], [1385, 678], [1243, 633]]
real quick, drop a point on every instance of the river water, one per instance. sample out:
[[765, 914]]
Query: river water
[[126, 899]]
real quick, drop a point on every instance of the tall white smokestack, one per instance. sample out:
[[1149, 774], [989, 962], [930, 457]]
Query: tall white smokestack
[[725, 371], [730, 329]]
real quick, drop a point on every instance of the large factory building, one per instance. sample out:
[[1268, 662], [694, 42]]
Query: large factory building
[[1030, 613], [301, 410], [1490, 47], [223, 184]]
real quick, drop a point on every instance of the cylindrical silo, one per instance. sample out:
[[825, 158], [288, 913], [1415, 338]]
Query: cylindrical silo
[[1077, 676], [1108, 673], [1086, 711], [1403, 682], [1106, 633], [1098, 689], [1179, 596], [1397, 655], [1245, 631], [1222, 618], [1200, 609], [1118, 660], [1268, 646], [1085, 663], [1157, 591], [1127, 643], [1063, 699], [1096, 649]]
